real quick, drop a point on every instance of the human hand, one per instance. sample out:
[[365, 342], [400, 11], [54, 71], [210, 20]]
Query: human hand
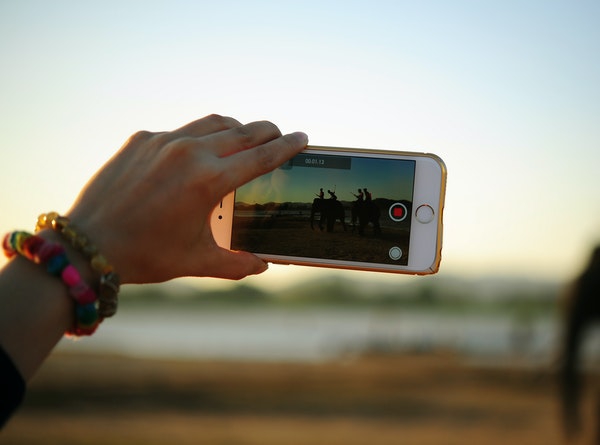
[[148, 209]]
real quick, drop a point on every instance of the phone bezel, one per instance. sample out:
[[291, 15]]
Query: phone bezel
[[425, 239]]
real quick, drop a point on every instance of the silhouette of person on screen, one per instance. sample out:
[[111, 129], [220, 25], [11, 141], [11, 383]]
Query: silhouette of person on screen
[[360, 197]]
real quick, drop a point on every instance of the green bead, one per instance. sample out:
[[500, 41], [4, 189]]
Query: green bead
[[87, 314]]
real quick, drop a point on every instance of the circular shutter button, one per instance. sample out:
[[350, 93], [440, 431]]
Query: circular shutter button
[[395, 253]]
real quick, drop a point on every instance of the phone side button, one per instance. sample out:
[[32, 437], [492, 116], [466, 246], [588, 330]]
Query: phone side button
[[424, 214]]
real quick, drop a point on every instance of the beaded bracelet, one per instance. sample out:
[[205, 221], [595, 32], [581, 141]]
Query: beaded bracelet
[[109, 280], [53, 256]]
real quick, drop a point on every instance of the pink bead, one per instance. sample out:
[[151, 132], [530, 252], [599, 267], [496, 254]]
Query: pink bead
[[47, 251], [70, 275], [89, 296], [77, 290], [82, 293]]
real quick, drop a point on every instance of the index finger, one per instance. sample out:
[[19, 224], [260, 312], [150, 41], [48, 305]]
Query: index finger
[[210, 124], [246, 165], [242, 137]]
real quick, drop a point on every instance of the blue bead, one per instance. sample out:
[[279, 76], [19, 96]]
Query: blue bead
[[57, 263]]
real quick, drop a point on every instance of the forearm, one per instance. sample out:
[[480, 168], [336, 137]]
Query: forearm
[[35, 309]]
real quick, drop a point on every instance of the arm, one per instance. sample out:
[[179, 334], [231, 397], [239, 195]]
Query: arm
[[148, 211], [35, 311]]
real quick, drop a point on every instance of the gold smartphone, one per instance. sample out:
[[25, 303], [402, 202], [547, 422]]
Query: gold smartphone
[[345, 208]]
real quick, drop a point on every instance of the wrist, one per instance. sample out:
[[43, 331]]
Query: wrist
[[75, 258], [108, 281], [52, 257], [35, 312]]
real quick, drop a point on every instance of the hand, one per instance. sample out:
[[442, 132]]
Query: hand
[[148, 209]]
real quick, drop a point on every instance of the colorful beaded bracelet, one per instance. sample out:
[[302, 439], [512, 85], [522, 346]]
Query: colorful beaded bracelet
[[53, 256], [108, 290]]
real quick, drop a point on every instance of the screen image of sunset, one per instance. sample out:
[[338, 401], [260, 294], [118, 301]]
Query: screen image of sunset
[[348, 196], [302, 179]]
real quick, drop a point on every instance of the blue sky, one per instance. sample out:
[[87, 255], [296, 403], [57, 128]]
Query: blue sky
[[506, 93]]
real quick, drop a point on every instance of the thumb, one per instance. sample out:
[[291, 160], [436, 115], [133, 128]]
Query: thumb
[[233, 265]]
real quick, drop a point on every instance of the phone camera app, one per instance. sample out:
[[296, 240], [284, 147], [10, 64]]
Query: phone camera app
[[320, 206]]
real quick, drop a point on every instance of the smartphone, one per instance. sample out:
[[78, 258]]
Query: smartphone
[[345, 208]]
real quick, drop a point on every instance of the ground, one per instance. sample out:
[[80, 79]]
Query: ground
[[435, 398]]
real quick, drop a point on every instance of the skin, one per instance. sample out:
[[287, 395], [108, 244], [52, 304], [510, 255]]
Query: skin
[[148, 211]]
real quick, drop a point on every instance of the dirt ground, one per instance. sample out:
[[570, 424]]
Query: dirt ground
[[408, 399], [293, 236]]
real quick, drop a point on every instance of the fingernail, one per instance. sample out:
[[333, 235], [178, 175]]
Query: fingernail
[[302, 137], [264, 266]]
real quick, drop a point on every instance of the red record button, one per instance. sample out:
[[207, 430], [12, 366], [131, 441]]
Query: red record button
[[398, 212]]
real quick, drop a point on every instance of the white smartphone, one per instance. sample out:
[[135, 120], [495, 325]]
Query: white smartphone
[[344, 208]]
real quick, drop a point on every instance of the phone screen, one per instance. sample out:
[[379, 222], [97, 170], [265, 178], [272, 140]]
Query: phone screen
[[354, 208]]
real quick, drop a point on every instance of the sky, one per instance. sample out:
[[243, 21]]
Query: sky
[[506, 93], [343, 176]]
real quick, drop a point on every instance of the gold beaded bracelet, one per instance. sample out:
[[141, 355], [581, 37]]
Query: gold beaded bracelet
[[108, 289]]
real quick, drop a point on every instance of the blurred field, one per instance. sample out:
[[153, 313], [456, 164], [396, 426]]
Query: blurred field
[[408, 399]]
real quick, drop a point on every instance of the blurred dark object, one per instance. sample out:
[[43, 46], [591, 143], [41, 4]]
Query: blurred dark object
[[582, 311]]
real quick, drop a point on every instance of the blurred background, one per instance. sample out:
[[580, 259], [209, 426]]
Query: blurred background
[[506, 93]]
